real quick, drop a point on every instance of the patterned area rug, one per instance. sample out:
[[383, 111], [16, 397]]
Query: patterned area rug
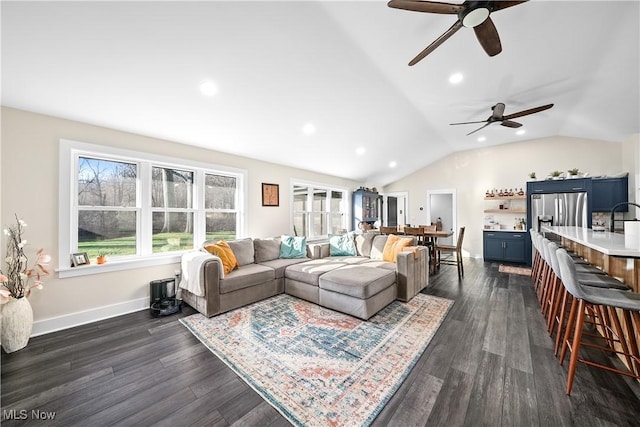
[[318, 367], [523, 271]]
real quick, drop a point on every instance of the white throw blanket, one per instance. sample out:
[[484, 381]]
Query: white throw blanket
[[191, 264]]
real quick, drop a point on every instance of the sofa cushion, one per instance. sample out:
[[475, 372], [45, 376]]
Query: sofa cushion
[[372, 263], [394, 246], [310, 271], [280, 264], [223, 251], [293, 246], [266, 249], [364, 241], [243, 250], [377, 246], [357, 281], [342, 245], [245, 277]]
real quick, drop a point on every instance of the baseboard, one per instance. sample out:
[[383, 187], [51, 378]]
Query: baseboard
[[54, 324]]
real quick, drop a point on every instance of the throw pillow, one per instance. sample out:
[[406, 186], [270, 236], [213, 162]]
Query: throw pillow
[[223, 251], [266, 249], [394, 246], [342, 245], [293, 247]]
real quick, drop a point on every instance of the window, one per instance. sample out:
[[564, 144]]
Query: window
[[138, 207], [318, 210]]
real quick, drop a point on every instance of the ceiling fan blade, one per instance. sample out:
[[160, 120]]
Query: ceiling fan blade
[[488, 37], [468, 123], [451, 31], [527, 112], [499, 5], [511, 124], [498, 111], [426, 6], [482, 127]]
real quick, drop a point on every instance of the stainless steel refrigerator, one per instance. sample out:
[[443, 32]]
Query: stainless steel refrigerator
[[568, 209]]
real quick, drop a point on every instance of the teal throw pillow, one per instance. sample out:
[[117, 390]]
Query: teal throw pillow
[[342, 245], [293, 247]]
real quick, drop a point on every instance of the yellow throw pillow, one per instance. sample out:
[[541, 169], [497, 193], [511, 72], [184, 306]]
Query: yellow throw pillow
[[394, 246], [223, 251]]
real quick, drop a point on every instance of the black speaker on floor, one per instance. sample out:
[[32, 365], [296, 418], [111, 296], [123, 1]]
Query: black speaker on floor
[[163, 299]]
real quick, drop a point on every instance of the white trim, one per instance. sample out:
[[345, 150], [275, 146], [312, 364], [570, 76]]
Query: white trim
[[320, 186], [69, 150], [67, 321], [454, 209]]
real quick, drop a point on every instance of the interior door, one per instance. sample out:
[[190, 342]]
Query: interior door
[[392, 211]]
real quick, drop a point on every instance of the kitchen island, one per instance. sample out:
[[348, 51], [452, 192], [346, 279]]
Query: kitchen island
[[615, 253]]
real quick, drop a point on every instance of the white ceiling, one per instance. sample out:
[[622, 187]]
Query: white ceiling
[[136, 66]]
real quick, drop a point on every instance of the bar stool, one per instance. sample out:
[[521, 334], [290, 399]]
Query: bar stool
[[556, 298], [609, 308]]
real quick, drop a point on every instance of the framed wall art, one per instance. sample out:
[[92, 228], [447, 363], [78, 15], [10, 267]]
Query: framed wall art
[[270, 194]]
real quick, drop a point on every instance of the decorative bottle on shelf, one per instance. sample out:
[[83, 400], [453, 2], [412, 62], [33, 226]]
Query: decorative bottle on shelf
[[521, 192], [487, 194]]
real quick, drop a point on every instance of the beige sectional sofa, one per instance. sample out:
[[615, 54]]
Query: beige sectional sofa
[[358, 285]]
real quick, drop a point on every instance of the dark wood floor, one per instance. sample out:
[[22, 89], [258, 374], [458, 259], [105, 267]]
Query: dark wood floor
[[490, 363]]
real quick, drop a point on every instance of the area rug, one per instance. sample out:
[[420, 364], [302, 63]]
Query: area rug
[[318, 367], [523, 271]]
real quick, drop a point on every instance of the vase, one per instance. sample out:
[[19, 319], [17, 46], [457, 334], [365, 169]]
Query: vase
[[16, 324]]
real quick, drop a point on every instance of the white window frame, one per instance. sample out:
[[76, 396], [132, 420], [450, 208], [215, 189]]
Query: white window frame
[[67, 227], [312, 186]]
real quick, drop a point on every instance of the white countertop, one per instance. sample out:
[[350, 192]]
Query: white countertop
[[609, 243]]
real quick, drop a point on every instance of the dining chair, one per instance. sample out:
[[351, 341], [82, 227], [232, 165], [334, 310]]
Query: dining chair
[[455, 253], [388, 230], [417, 232]]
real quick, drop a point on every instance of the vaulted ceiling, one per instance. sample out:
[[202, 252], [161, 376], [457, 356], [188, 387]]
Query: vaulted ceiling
[[339, 66]]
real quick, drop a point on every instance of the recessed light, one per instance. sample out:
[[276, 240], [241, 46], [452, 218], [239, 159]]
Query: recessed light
[[482, 138], [360, 151], [521, 132], [208, 88], [393, 164], [455, 78], [308, 129]]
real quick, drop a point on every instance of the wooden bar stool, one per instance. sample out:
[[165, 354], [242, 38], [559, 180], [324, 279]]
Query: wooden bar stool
[[610, 309]]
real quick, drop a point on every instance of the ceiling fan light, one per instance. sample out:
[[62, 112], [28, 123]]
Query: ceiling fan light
[[475, 17]]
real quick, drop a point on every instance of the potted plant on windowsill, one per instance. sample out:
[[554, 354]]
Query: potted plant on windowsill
[[102, 256]]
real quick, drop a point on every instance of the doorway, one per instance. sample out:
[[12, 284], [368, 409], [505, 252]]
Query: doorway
[[441, 206], [396, 212]]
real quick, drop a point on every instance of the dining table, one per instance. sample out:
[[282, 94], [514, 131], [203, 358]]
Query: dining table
[[432, 237]]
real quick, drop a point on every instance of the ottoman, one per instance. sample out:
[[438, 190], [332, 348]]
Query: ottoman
[[358, 290]]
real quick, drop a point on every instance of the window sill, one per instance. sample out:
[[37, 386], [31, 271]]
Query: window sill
[[117, 265]]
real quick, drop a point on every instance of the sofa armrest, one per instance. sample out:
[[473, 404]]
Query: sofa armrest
[[412, 271], [318, 250], [210, 275]]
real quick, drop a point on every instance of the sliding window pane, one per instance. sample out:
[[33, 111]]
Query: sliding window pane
[[172, 231], [319, 224], [220, 192], [221, 225], [337, 223], [171, 188], [300, 224], [106, 183], [300, 194], [111, 231], [320, 200]]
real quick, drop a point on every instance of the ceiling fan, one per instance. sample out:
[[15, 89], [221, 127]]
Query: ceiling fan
[[471, 14], [497, 116]]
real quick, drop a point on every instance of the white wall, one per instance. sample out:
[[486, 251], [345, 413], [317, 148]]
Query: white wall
[[29, 187], [472, 172]]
